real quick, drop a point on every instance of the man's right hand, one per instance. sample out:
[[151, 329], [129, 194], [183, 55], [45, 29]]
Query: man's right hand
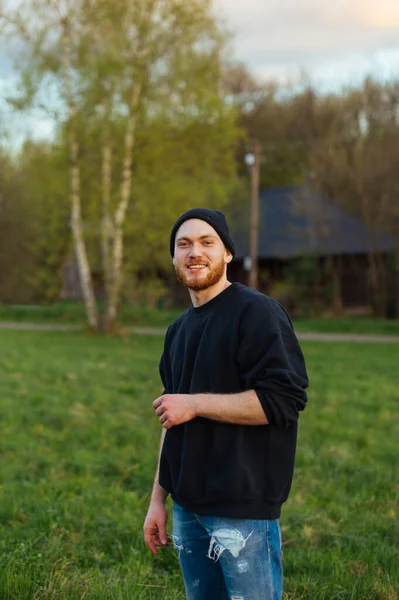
[[155, 527]]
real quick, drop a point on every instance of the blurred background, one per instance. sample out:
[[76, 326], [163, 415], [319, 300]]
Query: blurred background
[[117, 117]]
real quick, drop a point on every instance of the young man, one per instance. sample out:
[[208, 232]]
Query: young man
[[234, 379]]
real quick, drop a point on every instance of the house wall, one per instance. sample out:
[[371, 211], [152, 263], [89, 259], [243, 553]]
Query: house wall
[[355, 281], [352, 270]]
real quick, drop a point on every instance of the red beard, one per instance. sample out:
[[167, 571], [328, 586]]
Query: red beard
[[202, 282]]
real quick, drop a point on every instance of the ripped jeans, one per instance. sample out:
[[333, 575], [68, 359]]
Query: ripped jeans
[[228, 559]]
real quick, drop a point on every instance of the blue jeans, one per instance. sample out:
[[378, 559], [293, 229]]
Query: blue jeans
[[228, 559]]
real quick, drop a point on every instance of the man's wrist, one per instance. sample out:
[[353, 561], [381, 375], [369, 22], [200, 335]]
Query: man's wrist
[[159, 498], [159, 494], [200, 403]]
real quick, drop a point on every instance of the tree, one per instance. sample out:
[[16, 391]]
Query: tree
[[43, 183], [344, 144], [120, 64], [356, 162]]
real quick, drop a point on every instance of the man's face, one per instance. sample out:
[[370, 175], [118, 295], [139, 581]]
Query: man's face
[[200, 256]]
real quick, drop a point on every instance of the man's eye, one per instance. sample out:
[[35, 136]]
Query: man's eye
[[207, 243], [182, 244]]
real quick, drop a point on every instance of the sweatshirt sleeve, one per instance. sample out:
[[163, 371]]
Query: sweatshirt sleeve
[[271, 361]]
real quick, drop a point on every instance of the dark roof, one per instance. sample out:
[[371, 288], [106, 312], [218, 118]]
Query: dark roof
[[295, 221]]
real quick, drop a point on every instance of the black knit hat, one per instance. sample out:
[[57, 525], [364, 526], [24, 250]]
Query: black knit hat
[[215, 218]]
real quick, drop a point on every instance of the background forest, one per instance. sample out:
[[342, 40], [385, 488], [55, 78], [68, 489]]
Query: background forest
[[153, 118]]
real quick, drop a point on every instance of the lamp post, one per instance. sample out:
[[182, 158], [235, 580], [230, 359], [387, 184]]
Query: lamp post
[[252, 160]]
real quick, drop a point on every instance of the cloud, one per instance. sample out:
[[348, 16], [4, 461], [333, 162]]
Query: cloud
[[310, 13], [285, 35], [384, 13]]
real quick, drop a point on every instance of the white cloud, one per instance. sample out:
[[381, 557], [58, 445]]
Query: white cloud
[[281, 37], [337, 14]]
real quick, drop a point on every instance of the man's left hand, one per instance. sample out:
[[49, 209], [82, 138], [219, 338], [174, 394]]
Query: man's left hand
[[175, 409]]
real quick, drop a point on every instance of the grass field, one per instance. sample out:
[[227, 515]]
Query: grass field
[[71, 312], [78, 443]]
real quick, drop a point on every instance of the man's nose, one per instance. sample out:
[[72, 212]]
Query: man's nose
[[195, 250]]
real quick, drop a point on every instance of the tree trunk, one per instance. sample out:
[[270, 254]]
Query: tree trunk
[[106, 225], [76, 214], [120, 214]]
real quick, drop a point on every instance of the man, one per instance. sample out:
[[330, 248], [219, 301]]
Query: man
[[234, 379]]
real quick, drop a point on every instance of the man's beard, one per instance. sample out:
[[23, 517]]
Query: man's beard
[[214, 275]]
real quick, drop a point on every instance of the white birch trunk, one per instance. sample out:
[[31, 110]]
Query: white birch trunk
[[76, 214], [120, 214], [106, 225]]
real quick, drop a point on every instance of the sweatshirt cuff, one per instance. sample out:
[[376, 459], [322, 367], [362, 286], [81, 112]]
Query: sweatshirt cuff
[[280, 412]]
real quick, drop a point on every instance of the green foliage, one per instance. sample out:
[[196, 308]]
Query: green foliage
[[306, 288], [79, 446], [184, 130], [34, 224], [43, 178], [176, 165], [180, 167], [14, 231], [147, 291]]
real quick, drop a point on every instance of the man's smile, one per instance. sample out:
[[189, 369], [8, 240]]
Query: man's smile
[[197, 267]]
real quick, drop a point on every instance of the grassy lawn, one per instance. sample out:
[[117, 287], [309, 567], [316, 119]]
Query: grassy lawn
[[78, 449], [363, 325], [73, 313]]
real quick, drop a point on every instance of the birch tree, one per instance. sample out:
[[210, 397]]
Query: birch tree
[[155, 51], [51, 33], [114, 63]]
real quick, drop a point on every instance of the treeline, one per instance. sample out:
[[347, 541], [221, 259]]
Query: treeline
[[151, 120], [345, 145]]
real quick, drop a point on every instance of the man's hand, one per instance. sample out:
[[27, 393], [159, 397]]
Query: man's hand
[[175, 409], [155, 527]]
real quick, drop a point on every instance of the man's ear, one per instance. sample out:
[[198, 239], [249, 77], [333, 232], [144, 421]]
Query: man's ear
[[228, 257], [173, 260]]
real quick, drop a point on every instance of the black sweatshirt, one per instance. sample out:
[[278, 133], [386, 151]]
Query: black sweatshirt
[[240, 340]]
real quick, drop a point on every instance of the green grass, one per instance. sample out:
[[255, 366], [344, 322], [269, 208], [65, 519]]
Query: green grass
[[78, 450], [362, 325], [71, 312]]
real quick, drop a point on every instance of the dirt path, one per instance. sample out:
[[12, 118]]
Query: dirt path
[[311, 336], [360, 338]]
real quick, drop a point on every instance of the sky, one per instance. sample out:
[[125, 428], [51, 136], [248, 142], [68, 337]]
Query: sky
[[333, 42]]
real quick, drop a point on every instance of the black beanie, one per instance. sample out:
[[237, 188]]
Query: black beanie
[[215, 218]]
